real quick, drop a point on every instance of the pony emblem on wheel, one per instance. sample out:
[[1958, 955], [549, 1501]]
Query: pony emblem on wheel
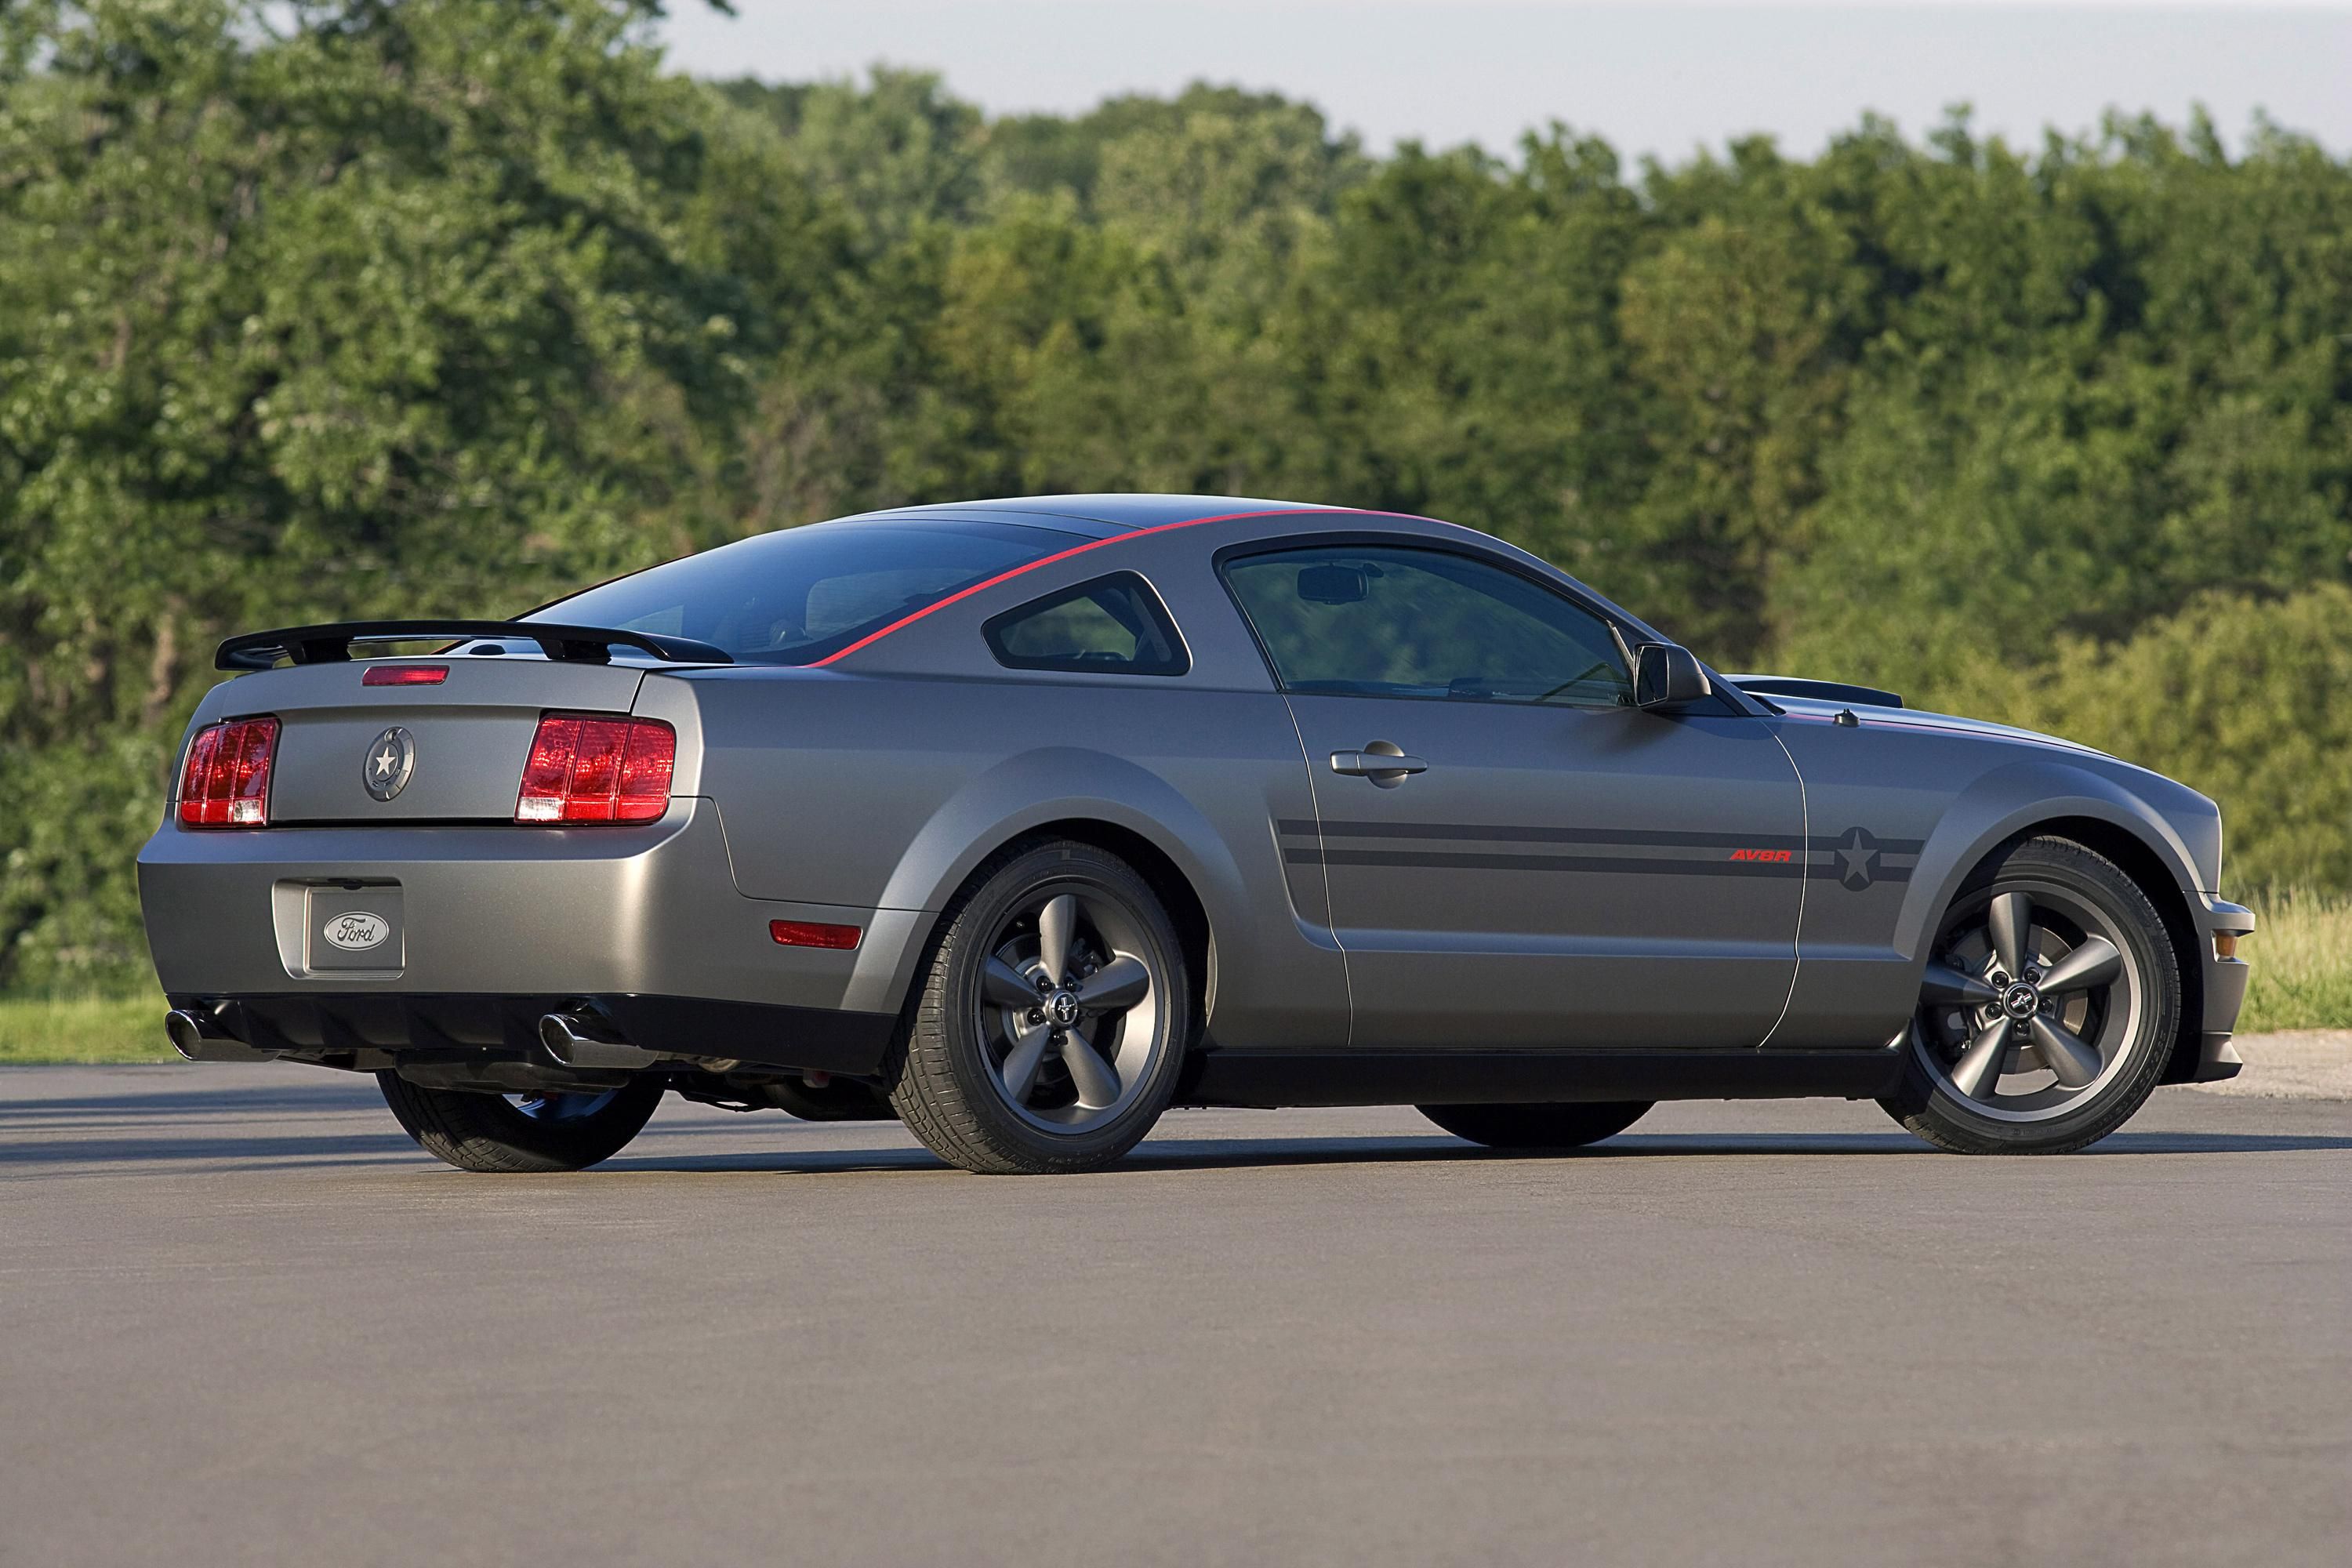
[[1023, 820]]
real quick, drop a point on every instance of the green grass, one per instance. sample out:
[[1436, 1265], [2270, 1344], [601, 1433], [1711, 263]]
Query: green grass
[[2302, 958], [83, 1029]]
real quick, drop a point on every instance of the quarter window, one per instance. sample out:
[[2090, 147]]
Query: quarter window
[[1384, 621], [1112, 625]]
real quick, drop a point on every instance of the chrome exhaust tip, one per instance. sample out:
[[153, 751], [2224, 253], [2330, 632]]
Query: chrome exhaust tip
[[198, 1038], [576, 1040]]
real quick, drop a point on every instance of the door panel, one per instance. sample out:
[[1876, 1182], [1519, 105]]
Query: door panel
[[1517, 857], [1598, 877]]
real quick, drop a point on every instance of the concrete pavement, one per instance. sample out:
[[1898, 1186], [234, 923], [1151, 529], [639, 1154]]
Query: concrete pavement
[[243, 1321]]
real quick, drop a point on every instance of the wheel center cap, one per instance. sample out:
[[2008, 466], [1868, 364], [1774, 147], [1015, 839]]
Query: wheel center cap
[[1063, 1007], [2021, 1001]]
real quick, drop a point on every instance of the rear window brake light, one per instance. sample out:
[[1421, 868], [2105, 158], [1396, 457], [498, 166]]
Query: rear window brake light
[[405, 675]]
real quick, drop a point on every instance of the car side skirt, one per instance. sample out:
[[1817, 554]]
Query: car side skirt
[[1267, 1078]]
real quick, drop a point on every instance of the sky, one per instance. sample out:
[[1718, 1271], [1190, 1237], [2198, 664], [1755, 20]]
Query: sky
[[1664, 77]]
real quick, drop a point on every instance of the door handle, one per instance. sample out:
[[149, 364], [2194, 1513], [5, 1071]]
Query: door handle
[[1383, 762]]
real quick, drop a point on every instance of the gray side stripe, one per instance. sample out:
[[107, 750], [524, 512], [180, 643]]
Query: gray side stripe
[[1661, 838], [1464, 860]]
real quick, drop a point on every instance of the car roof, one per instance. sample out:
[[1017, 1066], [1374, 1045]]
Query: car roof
[[1094, 516]]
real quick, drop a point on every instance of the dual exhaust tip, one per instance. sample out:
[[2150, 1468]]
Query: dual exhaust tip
[[199, 1037], [571, 1040], [579, 1040]]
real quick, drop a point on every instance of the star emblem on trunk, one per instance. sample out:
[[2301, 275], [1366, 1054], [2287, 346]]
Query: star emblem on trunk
[[391, 758]]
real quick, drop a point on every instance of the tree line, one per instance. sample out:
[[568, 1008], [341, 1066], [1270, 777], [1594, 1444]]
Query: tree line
[[340, 307]]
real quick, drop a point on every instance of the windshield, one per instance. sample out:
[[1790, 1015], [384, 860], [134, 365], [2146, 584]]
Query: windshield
[[798, 595]]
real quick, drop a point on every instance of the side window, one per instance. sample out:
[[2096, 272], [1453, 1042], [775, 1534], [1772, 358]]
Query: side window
[[1112, 625], [1388, 621]]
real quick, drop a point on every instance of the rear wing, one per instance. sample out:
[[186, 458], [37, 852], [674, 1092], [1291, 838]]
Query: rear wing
[[331, 643]]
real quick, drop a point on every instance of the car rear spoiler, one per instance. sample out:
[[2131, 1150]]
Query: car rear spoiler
[[331, 643], [1816, 691]]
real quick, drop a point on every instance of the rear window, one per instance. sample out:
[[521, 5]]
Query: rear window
[[803, 594]]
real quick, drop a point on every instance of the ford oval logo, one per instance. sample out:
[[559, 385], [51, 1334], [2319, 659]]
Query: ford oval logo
[[358, 930]]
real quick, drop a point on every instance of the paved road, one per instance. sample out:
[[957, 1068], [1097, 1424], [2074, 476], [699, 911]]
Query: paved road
[[242, 1321]]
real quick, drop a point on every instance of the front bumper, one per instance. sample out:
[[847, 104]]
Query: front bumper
[[2225, 996], [498, 921]]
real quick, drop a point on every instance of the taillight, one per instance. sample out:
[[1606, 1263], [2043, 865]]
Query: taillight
[[226, 783], [586, 768]]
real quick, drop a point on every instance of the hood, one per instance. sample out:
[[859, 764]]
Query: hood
[[1813, 710]]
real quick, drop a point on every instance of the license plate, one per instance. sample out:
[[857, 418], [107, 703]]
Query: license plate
[[355, 927]]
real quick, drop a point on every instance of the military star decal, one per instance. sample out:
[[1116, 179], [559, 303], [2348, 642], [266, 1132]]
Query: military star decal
[[1857, 860]]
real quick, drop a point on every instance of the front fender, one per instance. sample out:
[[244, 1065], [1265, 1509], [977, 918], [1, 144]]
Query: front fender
[[2009, 800]]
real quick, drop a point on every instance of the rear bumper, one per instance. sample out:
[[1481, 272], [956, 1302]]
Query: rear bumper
[[498, 921], [352, 1030]]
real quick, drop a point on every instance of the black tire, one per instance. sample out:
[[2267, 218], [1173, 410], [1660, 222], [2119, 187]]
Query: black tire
[[1932, 1108], [486, 1134], [944, 1074], [1547, 1126]]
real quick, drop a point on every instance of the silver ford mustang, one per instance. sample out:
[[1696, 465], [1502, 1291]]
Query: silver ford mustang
[[1023, 820]]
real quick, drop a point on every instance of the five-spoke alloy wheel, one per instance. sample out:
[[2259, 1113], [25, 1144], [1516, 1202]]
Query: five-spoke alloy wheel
[[2047, 1010], [1052, 1020]]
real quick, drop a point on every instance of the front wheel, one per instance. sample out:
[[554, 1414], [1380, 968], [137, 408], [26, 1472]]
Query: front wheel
[[2049, 1005], [1566, 1126], [516, 1134]]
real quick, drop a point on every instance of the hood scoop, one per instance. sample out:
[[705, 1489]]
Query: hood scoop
[[1814, 691]]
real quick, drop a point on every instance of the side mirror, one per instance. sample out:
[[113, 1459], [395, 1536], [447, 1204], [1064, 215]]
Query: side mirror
[[1667, 676]]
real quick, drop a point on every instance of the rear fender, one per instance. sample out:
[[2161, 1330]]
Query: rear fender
[[1025, 791]]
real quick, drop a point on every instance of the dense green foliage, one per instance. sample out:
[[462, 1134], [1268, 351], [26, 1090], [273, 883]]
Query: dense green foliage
[[436, 306]]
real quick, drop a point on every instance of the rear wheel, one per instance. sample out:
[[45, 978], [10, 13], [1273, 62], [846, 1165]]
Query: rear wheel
[[1052, 1020], [2048, 1008], [1565, 1126], [518, 1133]]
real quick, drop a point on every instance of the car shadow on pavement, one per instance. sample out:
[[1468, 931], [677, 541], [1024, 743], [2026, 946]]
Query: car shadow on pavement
[[225, 1152], [64, 1110], [1202, 1154]]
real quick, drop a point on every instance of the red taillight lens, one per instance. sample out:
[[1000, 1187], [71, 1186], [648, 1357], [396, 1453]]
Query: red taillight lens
[[226, 783], [585, 767], [405, 675]]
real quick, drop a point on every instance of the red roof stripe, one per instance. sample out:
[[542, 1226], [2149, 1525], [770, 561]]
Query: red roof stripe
[[872, 638]]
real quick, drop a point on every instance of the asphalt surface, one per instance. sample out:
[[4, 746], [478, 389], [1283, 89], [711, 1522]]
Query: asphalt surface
[[243, 1321]]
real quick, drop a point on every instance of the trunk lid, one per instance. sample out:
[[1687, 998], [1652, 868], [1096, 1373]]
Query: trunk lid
[[466, 738]]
